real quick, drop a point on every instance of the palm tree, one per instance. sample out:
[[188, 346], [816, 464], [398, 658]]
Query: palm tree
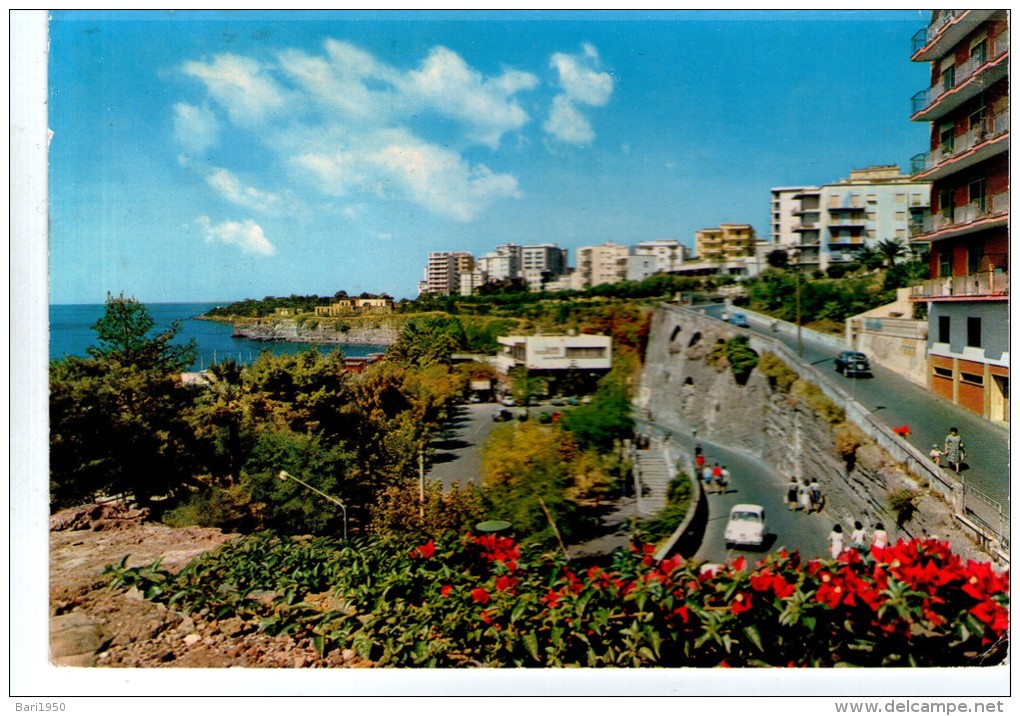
[[869, 257], [890, 250]]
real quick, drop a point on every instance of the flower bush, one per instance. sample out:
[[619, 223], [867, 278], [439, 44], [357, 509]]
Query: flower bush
[[486, 601]]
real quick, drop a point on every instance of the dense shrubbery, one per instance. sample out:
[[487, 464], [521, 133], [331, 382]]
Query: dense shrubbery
[[488, 601], [665, 523], [122, 422]]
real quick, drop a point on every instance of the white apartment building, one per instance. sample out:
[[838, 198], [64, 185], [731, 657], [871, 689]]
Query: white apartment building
[[582, 352], [442, 273], [828, 224], [670, 254], [605, 263], [502, 264], [542, 264]]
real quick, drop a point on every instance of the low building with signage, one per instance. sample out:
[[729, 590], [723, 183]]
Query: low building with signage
[[568, 363]]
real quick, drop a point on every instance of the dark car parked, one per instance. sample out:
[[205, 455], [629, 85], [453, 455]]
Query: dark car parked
[[852, 363]]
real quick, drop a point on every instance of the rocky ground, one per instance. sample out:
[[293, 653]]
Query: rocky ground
[[93, 625]]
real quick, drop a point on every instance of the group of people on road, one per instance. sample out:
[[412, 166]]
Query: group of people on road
[[716, 477], [859, 538], [804, 495]]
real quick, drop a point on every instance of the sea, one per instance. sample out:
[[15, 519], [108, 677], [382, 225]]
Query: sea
[[71, 334]]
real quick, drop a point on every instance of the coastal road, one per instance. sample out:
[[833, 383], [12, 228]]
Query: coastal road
[[896, 401], [755, 482]]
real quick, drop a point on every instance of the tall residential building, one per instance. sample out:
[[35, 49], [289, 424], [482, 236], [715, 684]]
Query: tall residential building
[[669, 254], [967, 293], [542, 264], [729, 241], [829, 224], [442, 273], [605, 263], [502, 264]]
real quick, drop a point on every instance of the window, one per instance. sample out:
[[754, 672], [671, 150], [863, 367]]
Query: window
[[971, 378], [974, 256], [943, 373], [586, 353], [946, 137], [943, 329], [973, 332], [945, 264], [948, 78], [979, 53], [976, 118], [946, 202], [901, 197], [976, 193]]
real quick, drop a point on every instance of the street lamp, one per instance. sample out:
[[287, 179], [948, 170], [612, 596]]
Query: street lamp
[[284, 476]]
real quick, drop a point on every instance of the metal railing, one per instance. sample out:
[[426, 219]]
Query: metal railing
[[978, 284], [994, 205], [993, 126], [923, 37], [997, 47]]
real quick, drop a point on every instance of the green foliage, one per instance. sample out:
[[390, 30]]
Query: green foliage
[[396, 510], [736, 353], [116, 428], [781, 377], [818, 401], [123, 335], [606, 419], [210, 508], [429, 341], [468, 601], [664, 524]]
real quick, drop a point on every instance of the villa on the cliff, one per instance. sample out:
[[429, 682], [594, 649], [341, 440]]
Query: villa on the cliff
[[346, 306]]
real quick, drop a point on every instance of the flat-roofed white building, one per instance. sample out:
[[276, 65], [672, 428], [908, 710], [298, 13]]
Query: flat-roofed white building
[[583, 352]]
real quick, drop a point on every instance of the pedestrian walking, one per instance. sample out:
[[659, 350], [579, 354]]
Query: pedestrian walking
[[717, 478], [725, 480], [858, 537], [791, 494], [879, 537], [935, 454], [699, 460], [706, 475], [836, 540], [816, 496], [954, 450], [804, 497]]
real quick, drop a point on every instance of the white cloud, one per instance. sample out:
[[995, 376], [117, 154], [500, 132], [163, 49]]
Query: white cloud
[[394, 163], [567, 124], [241, 85], [195, 128], [232, 189], [581, 84], [248, 235]]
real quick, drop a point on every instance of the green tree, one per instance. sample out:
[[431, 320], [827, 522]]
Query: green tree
[[123, 335], [428, 341], [890, 250]]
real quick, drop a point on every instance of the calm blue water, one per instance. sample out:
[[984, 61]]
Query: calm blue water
[[71, 334]]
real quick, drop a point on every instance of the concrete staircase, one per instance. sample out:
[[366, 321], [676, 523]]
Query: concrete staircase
[[652, 477]]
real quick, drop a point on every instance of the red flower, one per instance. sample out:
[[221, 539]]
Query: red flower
[[831, 591], [993, 615], [983, 581], [446, 590], [480, 595], [762, 582], [426, 550], [505, 583], [782, 588], [670, 564], [552, 599], [683, 612], [486, 616], [740, 564], [741, 603]]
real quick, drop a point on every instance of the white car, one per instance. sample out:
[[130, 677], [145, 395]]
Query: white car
[[746, 526]]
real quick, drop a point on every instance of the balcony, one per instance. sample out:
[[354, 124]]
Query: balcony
[[981, 142], [993, 212], [806, 226], [978, 285], [848, 221], [967, 80], [944, 32]]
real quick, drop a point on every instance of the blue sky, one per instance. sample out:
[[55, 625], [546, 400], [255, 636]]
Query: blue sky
[[223, 155]]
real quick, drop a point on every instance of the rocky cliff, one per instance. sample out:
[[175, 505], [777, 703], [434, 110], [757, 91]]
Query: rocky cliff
[[685, 385], [383, 333]]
